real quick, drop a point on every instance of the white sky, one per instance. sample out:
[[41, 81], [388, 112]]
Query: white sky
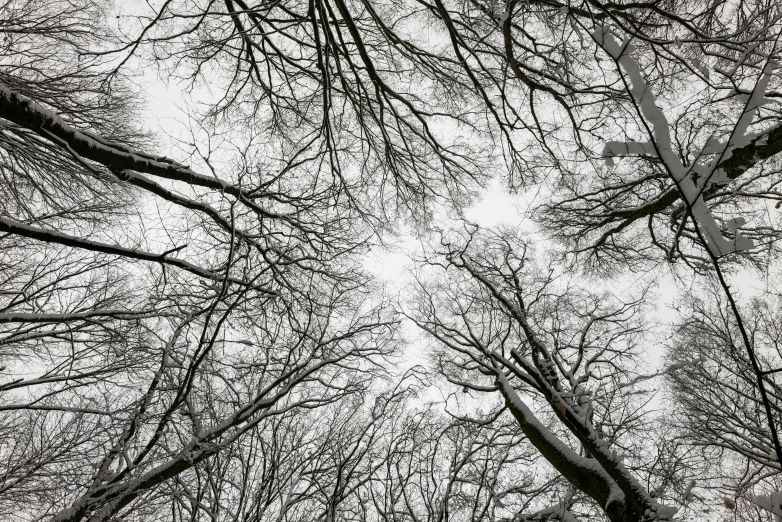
[[495, 207]]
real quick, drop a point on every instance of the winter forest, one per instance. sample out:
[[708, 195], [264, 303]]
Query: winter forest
[[391, 261]]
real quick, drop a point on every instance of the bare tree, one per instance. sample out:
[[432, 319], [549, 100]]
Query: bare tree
[[720, 409], [173, 331], [562, 361], [153, 315], [580, 83]]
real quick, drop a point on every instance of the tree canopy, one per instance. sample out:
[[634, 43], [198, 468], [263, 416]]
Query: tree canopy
[[194, 195]]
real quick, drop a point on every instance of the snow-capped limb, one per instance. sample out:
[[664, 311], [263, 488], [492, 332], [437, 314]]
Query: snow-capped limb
[[116, 157], [104, 474], [21, 317], [742, 159], [26, 113], [740, 136], [585, 474], [589, 475], [70, 409], [556, 513], [714, 173], [772, 503], [109, 498], [691, 182]]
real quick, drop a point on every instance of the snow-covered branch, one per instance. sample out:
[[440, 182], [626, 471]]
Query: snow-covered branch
[[694, 180]]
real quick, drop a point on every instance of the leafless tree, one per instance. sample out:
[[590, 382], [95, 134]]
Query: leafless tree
[[173, 331], [561, 359], [152, 315], [720, 409]]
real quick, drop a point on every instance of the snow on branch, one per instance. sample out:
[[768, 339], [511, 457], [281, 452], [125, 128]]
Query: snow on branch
[[692, 181], [772, 503], [556, 512]]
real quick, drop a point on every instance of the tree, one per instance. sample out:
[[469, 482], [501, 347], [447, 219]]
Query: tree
[[153, 315], [615, 218], [722, 412], [560, 359], [607, 79], [173, 330], [602, 67]]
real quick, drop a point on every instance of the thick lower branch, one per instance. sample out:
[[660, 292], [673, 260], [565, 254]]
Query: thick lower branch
[[585, 474]]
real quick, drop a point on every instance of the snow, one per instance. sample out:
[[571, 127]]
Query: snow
[[735, 223], [662, 512], [54, 318], [553, 440], [772, 503], [600, 449], [138, 161], [756, 99], [703, 68], [555, 512], [691, 186], [688, 495]]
